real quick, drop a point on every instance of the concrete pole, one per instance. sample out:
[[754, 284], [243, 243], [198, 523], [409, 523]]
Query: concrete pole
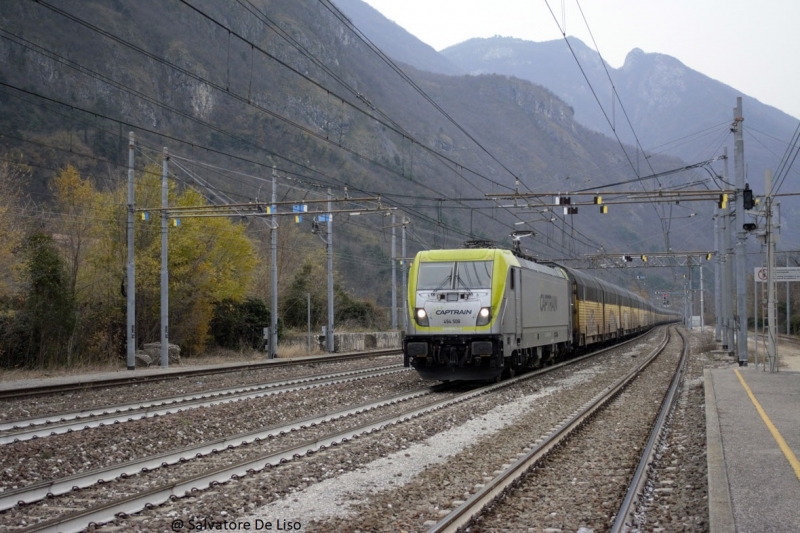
[[405, 279], [394, 275], [308, 298], [717, 279], [772, 351], [788, 307], [725, 281], [755, 319], [164, 265], [732, 283], [771, 307], [687, 319], [690, 294], [130, 293], [329, 333], [728, 343], [273, 328], [702, 313], [741, 234]]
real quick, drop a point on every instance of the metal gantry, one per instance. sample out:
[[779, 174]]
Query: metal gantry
[[250, 209]]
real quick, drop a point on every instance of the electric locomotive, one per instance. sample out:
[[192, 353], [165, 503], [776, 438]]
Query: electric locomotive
[[481, 313], [477, 313]]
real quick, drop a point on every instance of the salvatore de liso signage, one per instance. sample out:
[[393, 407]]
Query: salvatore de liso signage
[[778, 273]]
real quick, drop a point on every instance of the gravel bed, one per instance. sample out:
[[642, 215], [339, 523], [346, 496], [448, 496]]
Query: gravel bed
[[580, 486], [26, 462], [15, 409], [20, 517], [676, 494], [406, 475]]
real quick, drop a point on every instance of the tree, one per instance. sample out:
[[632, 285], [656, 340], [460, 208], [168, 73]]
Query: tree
[[12, 260], [312, 279], [76, 205], [46, 322], [240, 325], [12, 174], [210, 260], [80, 217], [309, 279]]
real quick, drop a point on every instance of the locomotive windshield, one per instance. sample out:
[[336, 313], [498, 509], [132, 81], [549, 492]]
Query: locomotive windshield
[[474, 275], [435, 276], [468, 275]]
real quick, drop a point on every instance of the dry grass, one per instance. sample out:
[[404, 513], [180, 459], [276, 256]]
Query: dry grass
[[297, 350], [21, 373], [706, 342]]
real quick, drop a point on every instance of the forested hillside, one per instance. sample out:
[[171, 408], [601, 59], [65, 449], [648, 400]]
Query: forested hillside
[[235, 91]]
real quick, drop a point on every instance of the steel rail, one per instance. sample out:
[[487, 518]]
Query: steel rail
[[60, 423], [466, 513], [131, 504], [38, 390], [46, 489], [625, 515], [78, 521]]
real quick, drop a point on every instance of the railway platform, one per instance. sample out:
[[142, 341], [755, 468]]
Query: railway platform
[[102, 377], [753, 443]]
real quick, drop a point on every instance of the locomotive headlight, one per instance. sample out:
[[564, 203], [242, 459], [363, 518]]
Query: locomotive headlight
[[421, 316], [484, 316]]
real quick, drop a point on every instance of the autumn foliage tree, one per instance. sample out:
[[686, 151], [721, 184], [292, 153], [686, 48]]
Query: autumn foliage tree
[[12, 174], [70, 275], [211, 260], [12, 258]]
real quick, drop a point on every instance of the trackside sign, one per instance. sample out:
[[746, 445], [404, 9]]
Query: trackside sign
[[778, 274]]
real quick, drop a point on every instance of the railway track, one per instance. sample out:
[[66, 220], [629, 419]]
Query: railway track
[[13, 392], [31, 428], [486, 510], [27, 495], [626, 518], [790, 339], [185, 471]]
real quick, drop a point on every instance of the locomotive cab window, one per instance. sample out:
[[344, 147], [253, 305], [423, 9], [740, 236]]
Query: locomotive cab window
[[435, 276], [474, 275], [464, 275]]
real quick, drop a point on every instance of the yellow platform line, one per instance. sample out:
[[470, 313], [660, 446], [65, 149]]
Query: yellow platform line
[[790, 456]]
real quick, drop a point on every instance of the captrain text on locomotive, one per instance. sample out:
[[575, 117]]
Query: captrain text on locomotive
[[477, 314]]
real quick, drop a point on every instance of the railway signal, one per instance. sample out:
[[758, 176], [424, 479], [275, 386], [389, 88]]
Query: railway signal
[[747, 197]]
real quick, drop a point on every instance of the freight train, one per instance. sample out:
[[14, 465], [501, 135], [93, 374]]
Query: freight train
[[484, 313]]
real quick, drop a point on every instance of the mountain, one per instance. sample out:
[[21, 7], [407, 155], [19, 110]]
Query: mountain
[[672, 109], [393, 40], [234, 90], [664, 100]]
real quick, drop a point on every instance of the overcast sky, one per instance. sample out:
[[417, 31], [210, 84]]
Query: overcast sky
[[751, 45]]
